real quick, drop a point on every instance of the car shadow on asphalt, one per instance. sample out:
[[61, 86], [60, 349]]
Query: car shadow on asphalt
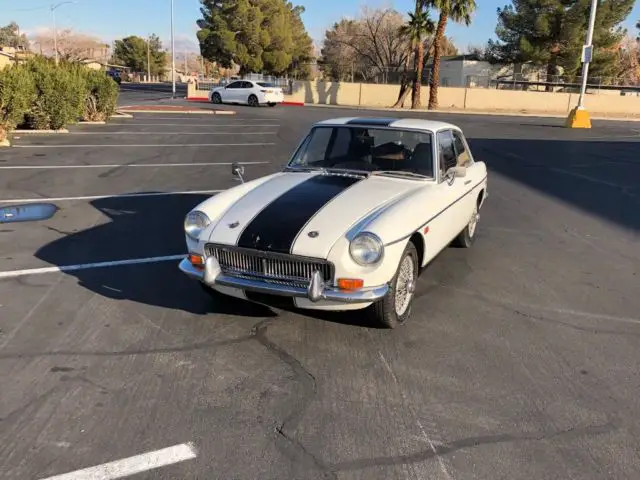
[[598, 177], [141, 227]]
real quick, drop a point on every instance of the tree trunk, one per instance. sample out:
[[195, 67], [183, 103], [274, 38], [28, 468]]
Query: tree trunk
[[404, 84], [435, 74], [417, 80], [551, 71]]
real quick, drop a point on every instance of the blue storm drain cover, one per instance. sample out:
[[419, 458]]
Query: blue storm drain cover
[[28, 212]]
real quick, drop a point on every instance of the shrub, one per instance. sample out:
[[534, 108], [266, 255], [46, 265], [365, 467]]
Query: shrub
[[17, 94], [101, 96], [60, 93]]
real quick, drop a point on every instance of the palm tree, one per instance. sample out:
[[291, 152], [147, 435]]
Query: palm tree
[[460, 12], [416, 30]]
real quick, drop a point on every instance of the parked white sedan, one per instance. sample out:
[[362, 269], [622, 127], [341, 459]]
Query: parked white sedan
[[362, 205], [247, 92]]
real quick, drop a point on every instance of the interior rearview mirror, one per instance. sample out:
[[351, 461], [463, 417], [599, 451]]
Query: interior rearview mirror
[[237, 170]]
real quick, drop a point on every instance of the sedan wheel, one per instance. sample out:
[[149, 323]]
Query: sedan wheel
[[216, 98], [395, 307]]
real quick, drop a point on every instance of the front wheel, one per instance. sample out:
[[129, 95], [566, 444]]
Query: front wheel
[[394, 308], [216, 98]]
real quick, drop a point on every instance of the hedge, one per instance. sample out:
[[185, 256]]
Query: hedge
[[41, 95]]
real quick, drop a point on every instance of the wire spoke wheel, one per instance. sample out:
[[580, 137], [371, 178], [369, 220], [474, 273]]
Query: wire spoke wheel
[[404, 285]]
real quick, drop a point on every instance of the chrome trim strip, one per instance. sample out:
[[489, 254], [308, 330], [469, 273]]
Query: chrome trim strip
[[437, 214], [323, 293]]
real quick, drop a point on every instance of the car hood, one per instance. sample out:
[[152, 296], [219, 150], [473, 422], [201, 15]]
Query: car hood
[[305, 213]]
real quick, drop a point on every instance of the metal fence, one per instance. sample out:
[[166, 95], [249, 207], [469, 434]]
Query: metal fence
[[537, 82]]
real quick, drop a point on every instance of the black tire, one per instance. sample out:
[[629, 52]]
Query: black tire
[[467, 236], [253, 101], [216, 98], [384, 310]]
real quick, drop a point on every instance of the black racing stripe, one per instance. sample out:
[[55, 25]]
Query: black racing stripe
[[372, 122], [276, 227]]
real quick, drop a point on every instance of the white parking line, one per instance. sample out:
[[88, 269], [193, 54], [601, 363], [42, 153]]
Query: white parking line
[[172, 133], [132, 465], [187, 124], [181, 145], [86, 266], [96, 197], [197, 164]]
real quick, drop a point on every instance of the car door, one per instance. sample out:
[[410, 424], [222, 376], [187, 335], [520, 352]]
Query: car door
[[246, 89], [451, 217], [473, 172], [229, 94]]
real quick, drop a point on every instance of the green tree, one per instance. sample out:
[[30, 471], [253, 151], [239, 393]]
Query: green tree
[[256, 35], [302, 52], [416, 30], [132, 52], [10, 36], [459, 11], [551, 34]]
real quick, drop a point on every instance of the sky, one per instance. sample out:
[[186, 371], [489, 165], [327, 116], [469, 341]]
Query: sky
[[113, 19]]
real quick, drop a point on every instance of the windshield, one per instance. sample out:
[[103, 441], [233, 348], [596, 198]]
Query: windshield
[[369, 149]]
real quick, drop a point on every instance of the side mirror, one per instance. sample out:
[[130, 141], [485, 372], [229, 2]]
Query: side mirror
[[460, 171], [237, 171]]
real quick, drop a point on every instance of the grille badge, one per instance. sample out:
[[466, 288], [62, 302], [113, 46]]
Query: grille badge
[[313, 233]]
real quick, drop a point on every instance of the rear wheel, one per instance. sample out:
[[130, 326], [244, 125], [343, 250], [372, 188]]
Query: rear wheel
[[216, 98], [467, 236], [253, 101], [394, 308], [271, 104]]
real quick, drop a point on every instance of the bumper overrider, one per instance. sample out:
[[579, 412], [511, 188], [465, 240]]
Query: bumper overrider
[[211, 275]]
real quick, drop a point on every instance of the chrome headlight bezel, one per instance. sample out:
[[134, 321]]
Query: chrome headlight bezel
[[194, 223], [366, 240]]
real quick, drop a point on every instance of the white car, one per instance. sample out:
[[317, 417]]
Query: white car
[[247, 92], [362, 205]]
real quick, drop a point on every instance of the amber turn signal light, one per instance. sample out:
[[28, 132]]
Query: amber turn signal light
[[196, 260], [350, 283]]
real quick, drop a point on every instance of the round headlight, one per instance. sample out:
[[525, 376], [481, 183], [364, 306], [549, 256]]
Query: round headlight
[[194, 223], [366, 248]]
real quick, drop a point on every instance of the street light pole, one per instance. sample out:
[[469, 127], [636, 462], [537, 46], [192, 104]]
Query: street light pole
[[173, 57], [579, 116], [55, 31], [149, 60]]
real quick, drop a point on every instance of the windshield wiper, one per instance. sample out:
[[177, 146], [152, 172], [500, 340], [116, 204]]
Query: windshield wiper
[[306, 169], [400, 173]]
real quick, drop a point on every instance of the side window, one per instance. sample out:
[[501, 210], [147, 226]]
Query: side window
[[446, 152], [463, 159], [247, 85], [234, 85]]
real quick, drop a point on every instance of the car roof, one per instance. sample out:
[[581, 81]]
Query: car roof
[[413, 123]]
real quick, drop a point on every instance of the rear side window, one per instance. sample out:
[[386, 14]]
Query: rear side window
[[446, 151]]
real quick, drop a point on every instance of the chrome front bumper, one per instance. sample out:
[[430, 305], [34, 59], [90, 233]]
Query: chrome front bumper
[[212, 275]]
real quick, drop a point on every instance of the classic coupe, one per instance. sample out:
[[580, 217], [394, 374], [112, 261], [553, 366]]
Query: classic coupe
[[362, 205]]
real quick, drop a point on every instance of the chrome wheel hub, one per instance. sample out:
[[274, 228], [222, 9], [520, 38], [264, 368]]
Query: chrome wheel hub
[[405, 285], [473, 223]]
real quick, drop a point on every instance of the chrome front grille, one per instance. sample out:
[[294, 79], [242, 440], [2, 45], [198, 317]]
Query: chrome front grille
[[267, 266]]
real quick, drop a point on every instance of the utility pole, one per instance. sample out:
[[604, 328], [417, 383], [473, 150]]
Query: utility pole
[[149, 60], [185, 63], [173, 57], [579, 117]]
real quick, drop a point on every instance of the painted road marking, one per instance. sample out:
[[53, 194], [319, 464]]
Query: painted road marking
[[157, 145], [186, 124], [86, 266], [172, 133], [96, 197], [132, 465], [198, 164]]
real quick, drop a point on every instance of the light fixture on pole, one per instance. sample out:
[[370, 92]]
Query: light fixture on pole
[[579, 116], [55, 32], [173, 57]]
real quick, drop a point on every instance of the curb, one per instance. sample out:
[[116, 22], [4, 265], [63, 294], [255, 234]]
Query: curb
[[90, 122], [23, 132], [121, 115], [468, 112], [198, 99], [293, 104]]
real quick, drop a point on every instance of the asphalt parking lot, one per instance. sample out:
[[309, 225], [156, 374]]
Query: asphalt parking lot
[[521, 361]]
